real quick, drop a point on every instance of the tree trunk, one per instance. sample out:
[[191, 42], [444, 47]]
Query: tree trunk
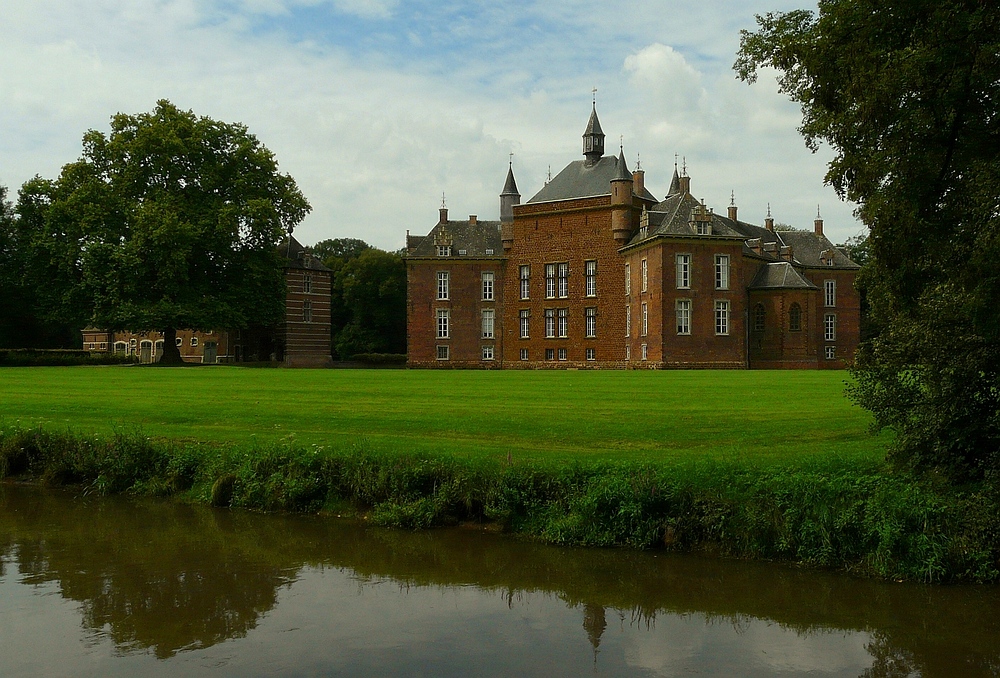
[[171, 354]]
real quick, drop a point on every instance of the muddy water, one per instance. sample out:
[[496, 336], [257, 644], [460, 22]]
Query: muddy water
[[113, 587]]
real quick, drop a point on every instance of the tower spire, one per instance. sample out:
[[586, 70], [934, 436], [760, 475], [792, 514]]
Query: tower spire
[[593, 137]]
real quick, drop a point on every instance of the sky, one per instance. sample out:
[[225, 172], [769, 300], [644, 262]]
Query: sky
[[378, 107]]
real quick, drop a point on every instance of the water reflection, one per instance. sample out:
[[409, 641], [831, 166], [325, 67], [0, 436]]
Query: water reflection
[[161, 587]]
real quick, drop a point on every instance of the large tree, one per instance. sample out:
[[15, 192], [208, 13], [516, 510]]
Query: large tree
[[907, 94], [171, 221]]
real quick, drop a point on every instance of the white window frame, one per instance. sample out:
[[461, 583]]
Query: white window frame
[[721, 317], [550, 354], [524, 354], [722, 271], [645, 353], [644, 267], [628, 320], [550, 281], [562, 354], [443, 352], [682, 311], [830, 293], [590, 329], [590, 273], [525, 273], [443, 317], [831, 352], [591, 354], [194, 341], [830, 327], [443, 285], [683, 266], [645, 319], [444, 250], [628, 352], [488, 278], [628, 279], [524, 318], [488, 322], [550, 323], [307, 284], [562, 328], [562, 275], [488, 352]]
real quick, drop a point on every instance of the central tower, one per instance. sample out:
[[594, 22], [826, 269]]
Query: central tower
[[593, 139]]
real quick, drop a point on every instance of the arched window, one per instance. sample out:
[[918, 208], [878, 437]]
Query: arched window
[[795, 318], [759, 317]]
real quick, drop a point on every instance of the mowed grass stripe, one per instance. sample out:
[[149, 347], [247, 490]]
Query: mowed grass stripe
[[799, 416]]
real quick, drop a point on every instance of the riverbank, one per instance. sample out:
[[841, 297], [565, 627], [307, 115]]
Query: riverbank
[[836, 512]]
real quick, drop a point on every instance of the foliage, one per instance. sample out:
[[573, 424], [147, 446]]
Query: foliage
[[832, 515], [380, 358], [858, 248], [906, 92], [171, 221], [335, 250], [60, 358]]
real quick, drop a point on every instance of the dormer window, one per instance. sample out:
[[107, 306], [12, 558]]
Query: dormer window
[[444, 250], [704, 228]]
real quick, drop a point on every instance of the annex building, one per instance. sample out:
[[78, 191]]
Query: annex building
[[595, 271], [301, 340]]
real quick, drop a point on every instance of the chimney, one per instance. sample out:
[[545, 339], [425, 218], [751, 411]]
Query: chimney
[[472, 220], [818, 224], [443, 215], [638, 181], [685, 182], [755, 245], [769, 223], [732, 212], [786, 252]]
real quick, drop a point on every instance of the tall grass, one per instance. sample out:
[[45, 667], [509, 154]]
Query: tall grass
[[841, 514]]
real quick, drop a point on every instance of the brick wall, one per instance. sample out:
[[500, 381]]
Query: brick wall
[[306, 341]]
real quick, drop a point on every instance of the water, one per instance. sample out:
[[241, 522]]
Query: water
[[121, 588]]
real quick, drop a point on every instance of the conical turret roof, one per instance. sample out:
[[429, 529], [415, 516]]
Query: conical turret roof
[[621, 171], [594, 125], [675, 184], [510, 186]]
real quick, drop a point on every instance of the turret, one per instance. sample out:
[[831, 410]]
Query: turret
[[621, 201], [593, 139], [509, 197]]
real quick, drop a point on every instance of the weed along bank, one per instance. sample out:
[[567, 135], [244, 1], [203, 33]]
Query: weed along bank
[[596, 271]]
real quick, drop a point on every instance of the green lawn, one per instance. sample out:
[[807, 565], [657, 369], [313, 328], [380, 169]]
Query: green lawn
[[792, 416]]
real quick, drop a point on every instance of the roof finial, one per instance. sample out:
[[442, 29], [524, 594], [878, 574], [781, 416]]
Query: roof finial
[[548, 177], [684, 167], [442, 200], [817, 212], [511, 163], [621, 143], [768, 210], [675, 162], [638, 163], [732, 198], [594, 92]]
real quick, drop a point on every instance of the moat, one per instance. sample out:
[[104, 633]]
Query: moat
[[117, 587]]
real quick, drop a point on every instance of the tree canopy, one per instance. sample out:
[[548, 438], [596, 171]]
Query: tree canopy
[[907, 94], [170, 221]]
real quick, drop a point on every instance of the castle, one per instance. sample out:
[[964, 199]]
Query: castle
[[595, 271]]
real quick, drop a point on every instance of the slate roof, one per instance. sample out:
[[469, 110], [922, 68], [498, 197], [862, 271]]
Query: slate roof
[[297, 256], [672, 216], [779, 275], [578, 180], [807, 248], [473, 239], [510, 186]]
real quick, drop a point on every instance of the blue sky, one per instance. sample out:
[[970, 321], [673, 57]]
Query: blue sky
[[377, 107]]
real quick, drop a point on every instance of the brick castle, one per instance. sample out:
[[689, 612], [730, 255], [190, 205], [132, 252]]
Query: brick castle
[[595, 271]]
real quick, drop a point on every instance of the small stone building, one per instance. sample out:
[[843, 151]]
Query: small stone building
[[595, 271]]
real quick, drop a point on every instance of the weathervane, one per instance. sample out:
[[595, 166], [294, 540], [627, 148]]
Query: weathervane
[[594, 92], [442, 200]]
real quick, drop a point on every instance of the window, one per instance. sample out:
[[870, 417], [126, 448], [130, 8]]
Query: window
[[590, 272], [550, 323], [830, 327], [563, 323], [194, 341], [524, 354], [795, 318], [444, 280], [91, 346], [831, 352], [487, 353], [628, 352], [443, 352], [644, 354], [644, 275], [704, 228], [563, 280], [487, 285], [759, 318], [722, 271], [307, 284], [645, 319], [628, 321], [307, 311], [178, 342], [722, 317], [550, 354], [683, 271], [524, 315], [444, 250], [488, 318], [443, 318], [550, 281], [121, 347], [830, 290], [591, 354], [104, 346], [683, 308], [628, 280], [591, 325], [562, 354], [525, 277]]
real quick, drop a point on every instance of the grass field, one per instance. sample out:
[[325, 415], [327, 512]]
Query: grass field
[[760, 417]]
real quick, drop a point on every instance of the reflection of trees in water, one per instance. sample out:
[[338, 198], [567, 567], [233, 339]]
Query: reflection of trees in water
[[889, 660], [154, 576]]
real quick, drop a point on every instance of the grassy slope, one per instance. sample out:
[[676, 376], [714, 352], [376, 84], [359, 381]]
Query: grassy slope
[[792, 418]]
